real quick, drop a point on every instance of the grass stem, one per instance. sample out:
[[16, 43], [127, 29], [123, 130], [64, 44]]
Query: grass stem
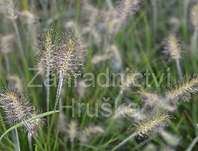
[[194, 142], [30, 142], [124, 141], [194, 43], [47, 86], [179, 69], [59, 89], [17, 142]]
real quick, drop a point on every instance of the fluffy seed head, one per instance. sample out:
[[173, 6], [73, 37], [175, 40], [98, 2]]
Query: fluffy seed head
[[150, 98], [116, 18], [194, 16], [152, 124], [7, 43], [17, 110], [101, 58], [47, 47], [69, 58], [129, 79], [155, 101], [62, 123], [15, 83], [116, 58], [28, 17], [72, 130], [124, 111], [173, 48], [183, 91], [89, 132], [128, 7], [7, 7]]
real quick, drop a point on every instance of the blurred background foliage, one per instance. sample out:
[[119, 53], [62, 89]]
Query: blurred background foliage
[[140, 43]]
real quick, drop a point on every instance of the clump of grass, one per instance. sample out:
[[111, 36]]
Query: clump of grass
[[66, 60]]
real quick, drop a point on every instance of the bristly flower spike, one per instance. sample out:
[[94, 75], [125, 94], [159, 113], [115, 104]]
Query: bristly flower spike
[[72, 131], [174, 50], [154, 123], [17, 110], [116, 18], [155, 101], [183, 91], [46, 61], [68, 61], [47, 47], [127, 7]]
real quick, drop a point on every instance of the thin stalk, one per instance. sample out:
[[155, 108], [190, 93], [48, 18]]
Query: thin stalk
[[117, 101], [19, 42], [59, 89], [30, 142], [109, 3], [186, 3], [155, 13], [18, 38], [72, 146], [124, 141], [194, 42], [28, 120], [194, 142], [54, 7], [7, 64], [47, 86], [118, 98], [179, 69], [17, 143]]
